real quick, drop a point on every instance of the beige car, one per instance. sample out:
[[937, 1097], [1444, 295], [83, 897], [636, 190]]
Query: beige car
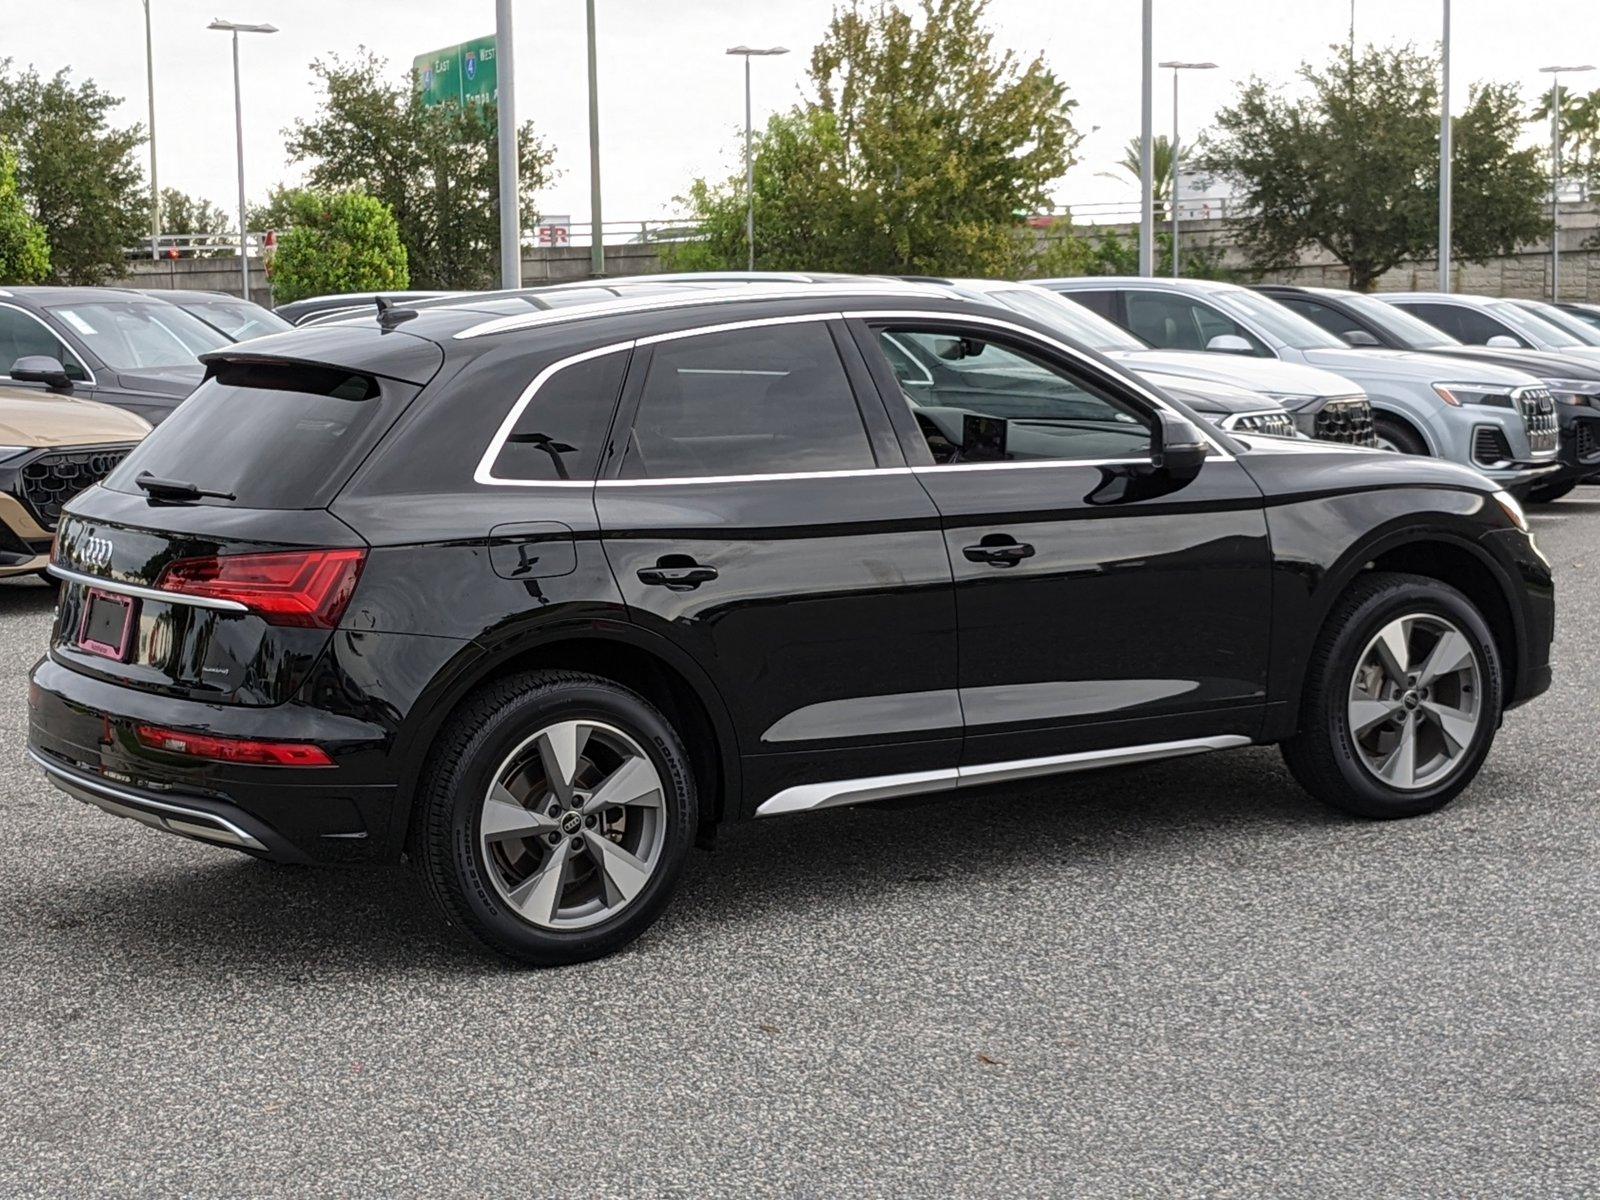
[[51, 448]]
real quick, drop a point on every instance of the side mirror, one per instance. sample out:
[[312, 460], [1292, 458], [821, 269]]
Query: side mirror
[[42, 368], [1361, 339], [1180, 450], [1504, 341], [1230, 343]]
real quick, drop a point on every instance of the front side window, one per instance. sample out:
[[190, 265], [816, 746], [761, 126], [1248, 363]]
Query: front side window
[[1172, 322], [134, 336], [977, 399], [769, 400], [1462, 323], [1335, 322], [22, 335]]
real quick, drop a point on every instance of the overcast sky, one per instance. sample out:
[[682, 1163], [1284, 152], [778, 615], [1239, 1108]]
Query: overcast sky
[[672, 104]]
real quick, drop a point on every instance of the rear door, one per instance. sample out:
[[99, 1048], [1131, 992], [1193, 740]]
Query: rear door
[[765, 521], [1094, 611]]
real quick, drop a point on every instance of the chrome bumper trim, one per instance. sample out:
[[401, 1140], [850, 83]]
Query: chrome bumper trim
[[146, 593]]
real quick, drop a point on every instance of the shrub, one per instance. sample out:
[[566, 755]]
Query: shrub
[[337, 242]]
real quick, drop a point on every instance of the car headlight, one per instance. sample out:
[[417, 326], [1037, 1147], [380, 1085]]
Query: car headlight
[[1573, 391], [1513, 510], [1456, 394]]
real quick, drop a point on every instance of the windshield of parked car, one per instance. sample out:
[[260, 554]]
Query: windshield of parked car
[[1412, 332], [1288, 328], [1586, 333], [1533, 327], [1068, 318], [238, 319], [128, 335]]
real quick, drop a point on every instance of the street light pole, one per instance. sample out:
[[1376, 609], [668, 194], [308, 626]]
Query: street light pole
[[1555, 74], [597, 248], [155, 188], [235, 28], [1172, 195], [750, 52], [1147, 155], [510, 178], [1445, 154]]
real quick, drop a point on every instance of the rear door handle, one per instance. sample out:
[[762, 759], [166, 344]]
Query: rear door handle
[[677, 572], [998, 550]]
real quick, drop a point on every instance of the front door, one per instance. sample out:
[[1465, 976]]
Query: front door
[[1097, 606]]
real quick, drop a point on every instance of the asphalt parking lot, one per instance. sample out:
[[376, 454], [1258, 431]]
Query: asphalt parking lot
[[1181, 979]]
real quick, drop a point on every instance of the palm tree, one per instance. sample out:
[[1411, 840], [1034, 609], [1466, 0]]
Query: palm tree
[[1162, 154]]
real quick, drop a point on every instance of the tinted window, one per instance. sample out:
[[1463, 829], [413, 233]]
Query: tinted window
[[747, 402], [560, 434], [273, 436], [978, 400], [1068, 319], [1173, 322], [1266, 314], [1103, 303], [1462, 323], [21, 335], [238, 319], [131, 336], [1335, 322]]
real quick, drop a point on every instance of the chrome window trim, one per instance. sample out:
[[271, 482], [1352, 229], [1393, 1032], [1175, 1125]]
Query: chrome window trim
[[146, 593], [45, 325], [484, 472], [807, 797]]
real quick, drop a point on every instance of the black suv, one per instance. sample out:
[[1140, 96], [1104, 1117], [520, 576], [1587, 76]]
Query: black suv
[[538, 600]]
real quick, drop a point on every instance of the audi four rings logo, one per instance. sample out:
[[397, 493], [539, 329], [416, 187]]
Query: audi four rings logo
[[96, 552]]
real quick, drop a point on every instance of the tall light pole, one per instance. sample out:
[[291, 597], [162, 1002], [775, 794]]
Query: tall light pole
[[597, 248], [1555, 74], [150, 83], [235, 28], [1172, 197], [505, 67], [1147, 152], [750, 52], [1444, 153]]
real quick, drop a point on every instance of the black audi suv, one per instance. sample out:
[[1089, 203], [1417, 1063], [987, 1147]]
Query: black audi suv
[[540, 600]]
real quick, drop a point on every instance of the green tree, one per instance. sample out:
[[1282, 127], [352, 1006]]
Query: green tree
[[24, 249], [1161, 155], [77, 172], [200, 219], [435, 168], [1353, 166], [1580, 133], [920, 151], [337, 242]]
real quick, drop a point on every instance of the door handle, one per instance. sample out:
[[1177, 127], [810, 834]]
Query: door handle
[[998, 550], [677, 572]]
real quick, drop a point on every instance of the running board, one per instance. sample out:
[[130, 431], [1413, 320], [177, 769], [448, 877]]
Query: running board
[[808, 796]]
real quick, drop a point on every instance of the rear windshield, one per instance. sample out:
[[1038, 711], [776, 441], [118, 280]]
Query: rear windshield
[[273, 436]]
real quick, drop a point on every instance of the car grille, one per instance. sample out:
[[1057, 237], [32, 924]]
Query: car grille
[[1347, 420], [52, 479], [1273, 424], [1539, 415], [1587, 444], [1489, 446]]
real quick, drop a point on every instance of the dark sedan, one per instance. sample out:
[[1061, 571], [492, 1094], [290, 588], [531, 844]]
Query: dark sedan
[[235, 319]]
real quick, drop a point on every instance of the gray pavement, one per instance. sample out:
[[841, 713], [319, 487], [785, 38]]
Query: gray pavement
[[1183, 979]]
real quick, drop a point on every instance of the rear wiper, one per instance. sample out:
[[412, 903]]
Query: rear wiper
[[176, 489]]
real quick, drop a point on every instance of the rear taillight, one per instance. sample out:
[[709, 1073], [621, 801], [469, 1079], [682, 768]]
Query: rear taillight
[[308, 588], [232, 750]]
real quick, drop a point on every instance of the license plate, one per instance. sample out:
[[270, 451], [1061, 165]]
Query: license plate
[[107, 624]]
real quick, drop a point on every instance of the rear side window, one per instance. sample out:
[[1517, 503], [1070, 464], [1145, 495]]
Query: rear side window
[[560, 433], [272, 435], [1462, 323], [760, 401]]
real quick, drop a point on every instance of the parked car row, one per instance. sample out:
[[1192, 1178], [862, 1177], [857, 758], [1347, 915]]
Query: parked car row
[[539, 588]]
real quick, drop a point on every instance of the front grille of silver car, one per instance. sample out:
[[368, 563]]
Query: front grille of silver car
[[52, 479], [1538, 410], [1346, 419], [1272, 424]]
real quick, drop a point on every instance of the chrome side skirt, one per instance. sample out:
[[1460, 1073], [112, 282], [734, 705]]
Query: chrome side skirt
[[808, 796]]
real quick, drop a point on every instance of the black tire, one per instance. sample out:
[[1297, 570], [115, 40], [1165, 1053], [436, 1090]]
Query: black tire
[[1323, 757], [1398, 434], [461, 768], [1546, 493]]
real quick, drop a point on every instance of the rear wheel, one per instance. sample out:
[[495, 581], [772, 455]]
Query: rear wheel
[[558, 811], [1402, 699], [1394, 434]]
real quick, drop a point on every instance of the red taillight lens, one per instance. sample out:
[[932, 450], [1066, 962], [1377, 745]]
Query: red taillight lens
[[309, 588], [232, 750]]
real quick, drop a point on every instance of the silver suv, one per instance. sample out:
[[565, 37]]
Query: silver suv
[[1499, 420]]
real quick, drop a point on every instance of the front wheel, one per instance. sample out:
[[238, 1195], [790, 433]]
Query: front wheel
[[557, 814], [1401, 702], [1397, 436]]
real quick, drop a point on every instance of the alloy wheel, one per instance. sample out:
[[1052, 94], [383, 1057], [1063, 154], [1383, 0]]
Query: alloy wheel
[[1415, 701], [573, 826]]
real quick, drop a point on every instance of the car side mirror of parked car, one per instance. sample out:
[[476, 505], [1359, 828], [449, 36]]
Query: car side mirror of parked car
[[1503, 341], [1360, 338], [1230, 343], [1180, 449], [42, 368]]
